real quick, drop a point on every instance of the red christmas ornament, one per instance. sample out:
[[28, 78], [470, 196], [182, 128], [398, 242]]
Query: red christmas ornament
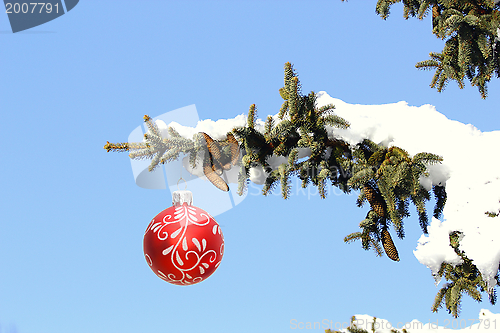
[[183, 244]]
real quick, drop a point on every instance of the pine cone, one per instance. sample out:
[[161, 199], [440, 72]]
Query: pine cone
[[376, 201], [435, 14], [389, 247], [435, 11]]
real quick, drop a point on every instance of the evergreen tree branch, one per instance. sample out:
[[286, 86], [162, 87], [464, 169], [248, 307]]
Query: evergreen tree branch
[[470, 30], [387, 177]]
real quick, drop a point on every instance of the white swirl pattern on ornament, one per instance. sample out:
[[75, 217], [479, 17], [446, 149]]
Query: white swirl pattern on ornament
[[148, 260], [159, 226]]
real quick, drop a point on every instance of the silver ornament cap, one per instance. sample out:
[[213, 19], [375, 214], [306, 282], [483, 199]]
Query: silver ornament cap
[[182, 196]]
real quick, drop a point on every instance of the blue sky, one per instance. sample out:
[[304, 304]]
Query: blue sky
[[72, 219]]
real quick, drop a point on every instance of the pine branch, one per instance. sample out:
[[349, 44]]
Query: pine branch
[[470, 30], [361, 177], [440, 195], [352, 237], [243, 180], [335, 121], [153, 128], [438, 300], [271, 182], [464, 277], [251, 116], [388, 177], [284, 173]]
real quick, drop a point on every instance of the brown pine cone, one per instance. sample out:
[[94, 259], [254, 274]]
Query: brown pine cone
[[389, 247], [376, 201]]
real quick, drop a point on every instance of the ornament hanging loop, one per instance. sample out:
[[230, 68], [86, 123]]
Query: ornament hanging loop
[[181, 197], [185, 183]]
